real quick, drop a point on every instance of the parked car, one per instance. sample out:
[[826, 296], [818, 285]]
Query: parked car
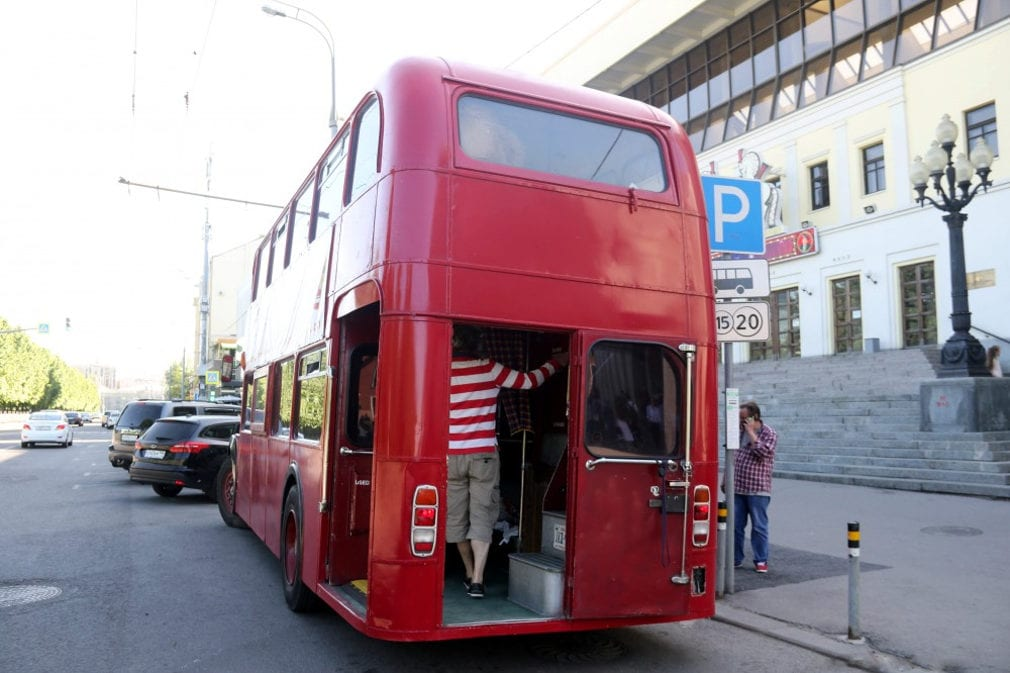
[[74, 418], [47, 427], [183, 452], [109, 418], [139, 415]]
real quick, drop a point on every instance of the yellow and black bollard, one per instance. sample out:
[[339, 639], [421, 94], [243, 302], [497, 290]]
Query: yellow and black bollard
[[721, 562], [854, 633]]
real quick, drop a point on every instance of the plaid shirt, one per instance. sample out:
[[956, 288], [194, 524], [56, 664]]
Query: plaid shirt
[[753, 465]]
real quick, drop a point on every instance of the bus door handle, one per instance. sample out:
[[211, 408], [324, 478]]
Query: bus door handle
[[344, 451], [591, 464]]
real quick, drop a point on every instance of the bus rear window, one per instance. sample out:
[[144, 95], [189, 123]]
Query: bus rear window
[[634, 402], [560, 144]]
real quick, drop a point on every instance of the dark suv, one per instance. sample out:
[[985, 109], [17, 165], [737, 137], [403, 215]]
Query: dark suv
[[138, 416], [183, 452]]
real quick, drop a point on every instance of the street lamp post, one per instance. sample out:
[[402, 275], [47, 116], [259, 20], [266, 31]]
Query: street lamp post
[[328, 38], [962, 354]]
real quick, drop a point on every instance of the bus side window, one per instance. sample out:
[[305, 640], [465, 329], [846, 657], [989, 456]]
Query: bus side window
[[365, 163], [331, 188], [247, 410], [300, 225], [311, 393], [280, 423], [259, 397]]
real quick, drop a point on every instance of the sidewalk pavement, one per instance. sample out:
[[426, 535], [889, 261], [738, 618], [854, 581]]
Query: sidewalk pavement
[[934, 581]]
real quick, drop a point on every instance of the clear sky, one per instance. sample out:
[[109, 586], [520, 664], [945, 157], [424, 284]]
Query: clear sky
[[158, 93]]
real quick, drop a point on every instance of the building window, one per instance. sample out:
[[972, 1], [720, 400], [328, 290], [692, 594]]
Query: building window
[[836, 44], [819, 195], [784, 336], [848, 310], [981, 123], [918, 304], [873, 169]]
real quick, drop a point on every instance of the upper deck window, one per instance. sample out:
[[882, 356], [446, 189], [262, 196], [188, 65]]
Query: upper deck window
[[560, 144]]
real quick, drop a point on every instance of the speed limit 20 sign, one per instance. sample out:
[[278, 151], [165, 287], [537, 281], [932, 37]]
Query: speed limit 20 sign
[[741, 321]]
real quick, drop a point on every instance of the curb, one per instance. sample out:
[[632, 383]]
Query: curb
[[858, 653]]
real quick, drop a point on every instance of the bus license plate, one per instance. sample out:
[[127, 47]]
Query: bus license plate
[[157, 454]]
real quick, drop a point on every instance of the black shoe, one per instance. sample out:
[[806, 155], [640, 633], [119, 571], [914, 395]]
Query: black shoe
[[476, 590], [466, 584]]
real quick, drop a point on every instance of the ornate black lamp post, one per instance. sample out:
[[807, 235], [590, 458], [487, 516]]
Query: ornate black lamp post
[[962, 354]]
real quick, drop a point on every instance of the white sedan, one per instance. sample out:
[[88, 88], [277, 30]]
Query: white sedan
[[47, 427]]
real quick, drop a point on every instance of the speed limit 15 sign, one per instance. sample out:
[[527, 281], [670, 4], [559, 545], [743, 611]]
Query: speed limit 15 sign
[[741, 321]]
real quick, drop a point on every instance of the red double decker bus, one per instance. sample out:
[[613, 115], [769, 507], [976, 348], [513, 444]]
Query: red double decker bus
[[546, 218]]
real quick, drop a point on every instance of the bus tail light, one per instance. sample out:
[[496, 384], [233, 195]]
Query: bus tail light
[[424, 521], [702, 516]]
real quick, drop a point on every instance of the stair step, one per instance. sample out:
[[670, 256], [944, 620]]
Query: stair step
[[855, 418]]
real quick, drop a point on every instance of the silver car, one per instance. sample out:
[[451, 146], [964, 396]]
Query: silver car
[[47, 427]]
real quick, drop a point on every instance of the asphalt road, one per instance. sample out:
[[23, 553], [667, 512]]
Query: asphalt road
[[100, 574]]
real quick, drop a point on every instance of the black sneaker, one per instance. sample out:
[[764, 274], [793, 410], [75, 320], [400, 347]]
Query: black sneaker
[[476, 590]]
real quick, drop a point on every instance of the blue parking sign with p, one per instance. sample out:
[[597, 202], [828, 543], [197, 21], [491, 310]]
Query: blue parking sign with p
[[733, 206]]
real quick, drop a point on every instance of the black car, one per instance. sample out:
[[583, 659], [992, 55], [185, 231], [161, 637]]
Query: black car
[[137, 417], [183, 452], [74, 418]]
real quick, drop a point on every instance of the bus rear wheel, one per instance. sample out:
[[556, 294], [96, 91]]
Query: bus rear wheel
[[297, 595], [224, 486]]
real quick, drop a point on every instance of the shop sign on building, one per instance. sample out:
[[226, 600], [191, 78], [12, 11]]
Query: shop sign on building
[[782, 247]]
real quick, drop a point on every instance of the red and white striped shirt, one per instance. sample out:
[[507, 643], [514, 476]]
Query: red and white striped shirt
[[473, 399]]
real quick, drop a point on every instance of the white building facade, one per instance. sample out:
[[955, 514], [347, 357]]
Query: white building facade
[[827, 102]]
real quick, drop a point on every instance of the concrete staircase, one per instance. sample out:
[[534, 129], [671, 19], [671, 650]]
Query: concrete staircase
[[854, 419]]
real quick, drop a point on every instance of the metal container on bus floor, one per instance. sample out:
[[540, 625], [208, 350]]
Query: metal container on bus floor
[[536, 582], [552, 534]]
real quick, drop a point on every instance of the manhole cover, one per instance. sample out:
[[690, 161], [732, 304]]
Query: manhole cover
[[580, 648], [22, 594], [956, 531]]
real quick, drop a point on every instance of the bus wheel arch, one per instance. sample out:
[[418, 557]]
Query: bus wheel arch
[[224, 487], [298, 596]]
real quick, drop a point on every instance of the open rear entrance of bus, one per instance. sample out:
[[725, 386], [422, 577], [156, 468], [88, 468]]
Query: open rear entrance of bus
[[600, 508], [532, 438], [600, 503]]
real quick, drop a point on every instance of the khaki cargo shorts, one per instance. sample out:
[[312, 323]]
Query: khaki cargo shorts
[[473, 499]]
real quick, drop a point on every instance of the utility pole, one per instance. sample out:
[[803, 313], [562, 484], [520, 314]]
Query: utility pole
[[205, 286]]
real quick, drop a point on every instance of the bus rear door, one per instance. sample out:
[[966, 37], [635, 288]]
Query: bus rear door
[[626, 541]]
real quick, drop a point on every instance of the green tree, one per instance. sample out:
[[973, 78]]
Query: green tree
[[175, 387], [33, 378]]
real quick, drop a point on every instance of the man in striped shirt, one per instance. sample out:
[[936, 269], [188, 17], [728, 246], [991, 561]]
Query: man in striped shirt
[[472, 493]]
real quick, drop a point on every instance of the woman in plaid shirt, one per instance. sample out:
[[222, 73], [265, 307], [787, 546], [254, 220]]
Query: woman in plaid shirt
[[752, 481]]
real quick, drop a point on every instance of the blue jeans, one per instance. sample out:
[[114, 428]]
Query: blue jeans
[[754, 507]]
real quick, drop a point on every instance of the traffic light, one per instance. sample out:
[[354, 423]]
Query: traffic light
[[68, 324]]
